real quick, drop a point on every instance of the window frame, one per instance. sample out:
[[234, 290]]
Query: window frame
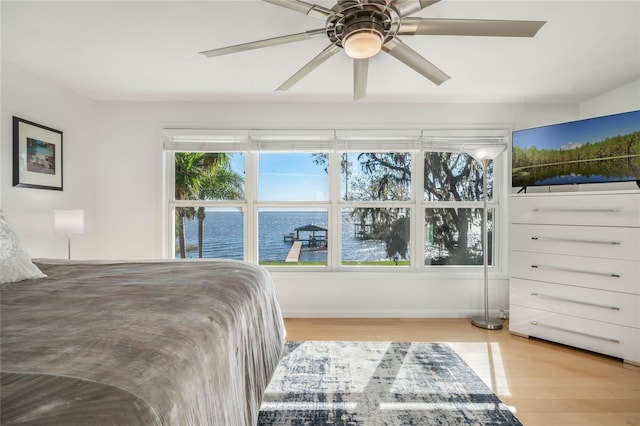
[[336, 142]]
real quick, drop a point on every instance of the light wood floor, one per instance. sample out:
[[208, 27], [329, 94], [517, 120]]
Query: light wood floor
[[543, 383]]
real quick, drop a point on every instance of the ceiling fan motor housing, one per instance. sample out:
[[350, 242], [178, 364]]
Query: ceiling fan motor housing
[[365, 23], [353, 16]]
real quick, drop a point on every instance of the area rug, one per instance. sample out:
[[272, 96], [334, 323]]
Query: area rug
[[378, 383]]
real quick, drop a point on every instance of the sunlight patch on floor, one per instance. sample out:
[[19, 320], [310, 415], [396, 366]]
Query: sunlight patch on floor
[[485, 359]]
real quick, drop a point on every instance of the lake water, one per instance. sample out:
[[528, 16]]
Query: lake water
[[223, 236]]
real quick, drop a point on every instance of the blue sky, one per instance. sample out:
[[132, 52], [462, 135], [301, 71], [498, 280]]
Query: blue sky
[[292, 177], [288, 177], [577, 133]]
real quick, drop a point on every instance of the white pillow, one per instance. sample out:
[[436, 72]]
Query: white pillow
[[15, 263]]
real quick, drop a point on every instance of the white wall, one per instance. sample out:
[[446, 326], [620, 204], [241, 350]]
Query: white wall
[[30, 211], [622, 99], [113, 170]]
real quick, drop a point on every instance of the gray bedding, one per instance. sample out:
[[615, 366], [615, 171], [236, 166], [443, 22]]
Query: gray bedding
[[150, 343]]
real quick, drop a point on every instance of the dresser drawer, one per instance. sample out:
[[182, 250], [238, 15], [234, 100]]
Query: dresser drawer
[[598, 305], [604, 274], [593, 241], [610, 339], [577, 209]]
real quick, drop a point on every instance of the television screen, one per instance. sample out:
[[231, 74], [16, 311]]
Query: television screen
[[596, 150]]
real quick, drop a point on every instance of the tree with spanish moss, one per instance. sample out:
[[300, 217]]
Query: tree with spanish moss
[[448, 176]]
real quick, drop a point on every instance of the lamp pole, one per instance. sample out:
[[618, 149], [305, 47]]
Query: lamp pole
[[68, 222], [485, 321], [483, 155]]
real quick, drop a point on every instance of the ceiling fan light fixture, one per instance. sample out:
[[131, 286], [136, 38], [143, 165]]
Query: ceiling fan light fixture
[[362, 44]]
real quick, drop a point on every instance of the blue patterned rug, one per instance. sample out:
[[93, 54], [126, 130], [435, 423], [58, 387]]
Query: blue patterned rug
[[378, 383]]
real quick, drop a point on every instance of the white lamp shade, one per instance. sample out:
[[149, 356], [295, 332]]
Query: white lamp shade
[[362, 44], [485, 152], [69, 221]]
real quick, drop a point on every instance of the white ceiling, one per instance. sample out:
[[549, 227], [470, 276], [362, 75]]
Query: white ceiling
[[147, 51]]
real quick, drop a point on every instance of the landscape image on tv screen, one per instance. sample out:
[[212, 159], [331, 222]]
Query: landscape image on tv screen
[[596, 150]]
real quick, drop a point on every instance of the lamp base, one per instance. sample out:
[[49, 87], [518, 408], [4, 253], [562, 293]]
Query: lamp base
[[488, 324]]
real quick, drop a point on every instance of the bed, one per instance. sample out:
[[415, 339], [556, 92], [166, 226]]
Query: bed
[[146, 343]]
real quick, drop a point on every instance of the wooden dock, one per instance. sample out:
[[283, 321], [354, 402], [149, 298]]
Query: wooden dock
[[294, 253]]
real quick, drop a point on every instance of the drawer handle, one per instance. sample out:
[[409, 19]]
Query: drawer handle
[[579, 302], [553, 327], [572, 210], [577, 271], [569, 240]]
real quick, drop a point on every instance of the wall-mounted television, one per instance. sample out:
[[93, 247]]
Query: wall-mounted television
[[595, 150]]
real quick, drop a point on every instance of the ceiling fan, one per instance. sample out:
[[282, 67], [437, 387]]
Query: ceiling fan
[[362, 28]]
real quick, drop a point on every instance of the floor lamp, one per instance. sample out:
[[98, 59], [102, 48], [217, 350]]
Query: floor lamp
[[68, 222], [483, 155]]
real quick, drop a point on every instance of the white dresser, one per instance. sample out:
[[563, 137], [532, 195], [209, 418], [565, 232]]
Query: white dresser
[[575, 270]]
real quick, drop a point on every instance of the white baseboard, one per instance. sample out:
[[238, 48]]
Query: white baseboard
[[363, 313]]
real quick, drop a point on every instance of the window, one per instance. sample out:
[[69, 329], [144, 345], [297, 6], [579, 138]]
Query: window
[[454, 176], [453, 236], [206, 230], [413, 203], [453, 233], [375, 208], [210, 232], [292, 176], [280, 229], [376, 236], [292, 208], [379, 176]]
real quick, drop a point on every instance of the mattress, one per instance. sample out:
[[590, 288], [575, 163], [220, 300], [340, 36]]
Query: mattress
[[138, 343]]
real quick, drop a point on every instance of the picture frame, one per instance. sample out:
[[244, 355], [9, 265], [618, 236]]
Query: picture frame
[[37, 155]]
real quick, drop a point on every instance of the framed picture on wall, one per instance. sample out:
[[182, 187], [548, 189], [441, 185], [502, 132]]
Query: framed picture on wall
[[37, 155]]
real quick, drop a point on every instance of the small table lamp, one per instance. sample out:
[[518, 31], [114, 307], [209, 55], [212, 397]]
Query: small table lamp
[[484, 154], [69, 222]]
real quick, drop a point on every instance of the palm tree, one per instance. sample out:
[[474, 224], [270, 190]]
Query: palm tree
[[188, 176], [202, 176], [220, 183]]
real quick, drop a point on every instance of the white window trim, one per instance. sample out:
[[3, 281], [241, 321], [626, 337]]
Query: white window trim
[[334, 142]]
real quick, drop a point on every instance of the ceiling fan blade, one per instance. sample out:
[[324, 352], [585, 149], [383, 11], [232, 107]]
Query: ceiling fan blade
[[264, 43], [309, 9], [360, 74], [469, 27], [328, 52], [396, 48], [408, 7]]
